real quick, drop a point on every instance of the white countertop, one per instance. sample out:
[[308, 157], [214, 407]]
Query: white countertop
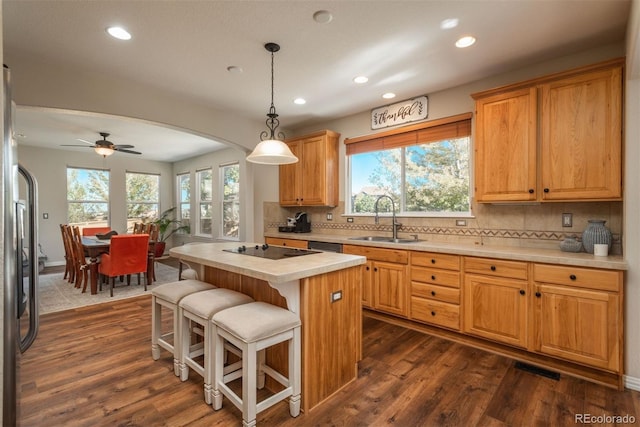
[[273, 271], [549, 256]]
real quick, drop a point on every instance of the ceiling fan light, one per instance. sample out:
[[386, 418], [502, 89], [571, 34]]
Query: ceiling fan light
[[272, 152], [104, 151]]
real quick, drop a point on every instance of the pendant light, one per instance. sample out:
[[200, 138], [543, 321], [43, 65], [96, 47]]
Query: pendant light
[[270, 150]]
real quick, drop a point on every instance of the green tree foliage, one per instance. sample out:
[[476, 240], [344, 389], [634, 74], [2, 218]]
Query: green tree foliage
[[87, 195], [142, 195]]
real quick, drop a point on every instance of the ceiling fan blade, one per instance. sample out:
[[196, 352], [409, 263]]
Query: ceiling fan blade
[[85, 141], [119, 146], [126, 151]]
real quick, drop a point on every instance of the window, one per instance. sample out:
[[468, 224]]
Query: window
[[425, 171], [88, 197], [184, 198], [230, 182], [143, 197], [205, 198]]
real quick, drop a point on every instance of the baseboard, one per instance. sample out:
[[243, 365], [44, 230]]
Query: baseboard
[[54, 263], [632, 383]]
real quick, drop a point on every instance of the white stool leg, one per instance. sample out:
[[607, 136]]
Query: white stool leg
[[208, 360], [260, 371], [249, 394], [156, 320], [218, 371], [295, 368], [176, 342], [184, 344]]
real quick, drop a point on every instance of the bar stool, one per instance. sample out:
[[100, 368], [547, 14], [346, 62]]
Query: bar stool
[[169, 295], [197, 309], [252, 328]]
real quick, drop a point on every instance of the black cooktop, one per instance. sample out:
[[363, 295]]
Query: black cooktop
[[270, 252]]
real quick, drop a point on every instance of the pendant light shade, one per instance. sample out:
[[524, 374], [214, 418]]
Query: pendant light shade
[[271, 150]]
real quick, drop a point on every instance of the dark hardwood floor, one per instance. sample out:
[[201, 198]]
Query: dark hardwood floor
[[92, 366]]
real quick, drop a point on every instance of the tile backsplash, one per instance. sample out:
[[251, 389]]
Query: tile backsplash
[[533, 225]]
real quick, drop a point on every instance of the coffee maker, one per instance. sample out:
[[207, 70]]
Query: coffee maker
[[302, 223]]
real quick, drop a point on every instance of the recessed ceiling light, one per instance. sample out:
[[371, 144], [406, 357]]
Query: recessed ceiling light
[[119, 33], [389, 95], [361, 80], [448, 24], [465, 41], [300, 101], [322, 17], [234, 69]]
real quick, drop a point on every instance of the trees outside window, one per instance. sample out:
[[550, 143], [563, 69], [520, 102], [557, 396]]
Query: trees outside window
[[183, 184], [230, 182], [143, 197], [87, 197]]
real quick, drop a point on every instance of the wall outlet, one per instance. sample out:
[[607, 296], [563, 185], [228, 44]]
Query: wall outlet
[[567, 220], [336, 296], [45, 215], [461, 222], [329, 216], [349, 219]]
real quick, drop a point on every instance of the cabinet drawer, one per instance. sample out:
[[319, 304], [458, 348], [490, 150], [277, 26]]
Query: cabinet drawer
[[606, 280], [494, 267], [435, 292], [428, 259], [435, 312], [291, 243], [436, 276], [378, 254]]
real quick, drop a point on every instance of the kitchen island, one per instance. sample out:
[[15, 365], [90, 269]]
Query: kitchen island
[[323, 288]]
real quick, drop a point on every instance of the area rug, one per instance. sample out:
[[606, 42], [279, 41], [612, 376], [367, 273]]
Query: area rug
[[56, 294]]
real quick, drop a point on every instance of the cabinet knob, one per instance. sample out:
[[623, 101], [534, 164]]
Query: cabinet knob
[[573, 277], [367, 268], [433, 277], [433, 293], [375, 268], [546, 190], [493, 268], [538, 294], [531, 191], [433, 261], [284, 243], [522, 292], [433, 313]]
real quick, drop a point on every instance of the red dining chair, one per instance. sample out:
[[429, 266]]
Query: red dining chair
[[128, 254], [92, 231]]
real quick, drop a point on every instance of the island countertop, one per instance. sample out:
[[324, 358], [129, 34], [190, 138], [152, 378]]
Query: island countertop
[[273, 271]]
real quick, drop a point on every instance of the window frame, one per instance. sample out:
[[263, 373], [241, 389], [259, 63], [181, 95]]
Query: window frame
[[127, 202], [200, 202], [423, 133], [88, 201], [180, 202]]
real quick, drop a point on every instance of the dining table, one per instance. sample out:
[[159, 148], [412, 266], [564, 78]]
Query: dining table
[[94, 247]]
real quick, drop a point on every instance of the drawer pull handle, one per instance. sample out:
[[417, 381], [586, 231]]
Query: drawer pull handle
[[433, 277], [522, 292], [572, 277], [433, 293], [538, 294], [493, 268], [433, 313]]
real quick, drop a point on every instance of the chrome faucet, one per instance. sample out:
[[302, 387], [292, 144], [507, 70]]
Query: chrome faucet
[[394, 225]]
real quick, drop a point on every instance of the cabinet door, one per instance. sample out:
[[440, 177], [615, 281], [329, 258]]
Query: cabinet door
[[313, 171], [290, 179], [367, 285], [578, 325], [581, 140], [496, 308], [390, 287], [505, 153]]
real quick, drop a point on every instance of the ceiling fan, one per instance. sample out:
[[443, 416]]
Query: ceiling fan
[[105, 148]]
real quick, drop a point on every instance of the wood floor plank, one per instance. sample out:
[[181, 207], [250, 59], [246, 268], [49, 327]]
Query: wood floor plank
[[93, 367]]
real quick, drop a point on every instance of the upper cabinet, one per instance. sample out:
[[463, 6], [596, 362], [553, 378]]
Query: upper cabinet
[[313, 180], [556, 138]]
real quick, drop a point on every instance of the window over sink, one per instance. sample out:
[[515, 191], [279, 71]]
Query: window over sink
[[425, 170]]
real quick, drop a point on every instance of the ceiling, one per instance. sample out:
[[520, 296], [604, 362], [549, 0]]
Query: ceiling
[[185, 47]]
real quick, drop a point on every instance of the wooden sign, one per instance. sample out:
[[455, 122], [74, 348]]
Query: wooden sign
[[407, 111]]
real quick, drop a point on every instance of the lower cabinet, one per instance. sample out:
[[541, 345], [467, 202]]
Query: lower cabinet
[[291, 243], [385, 285], [578, 315]]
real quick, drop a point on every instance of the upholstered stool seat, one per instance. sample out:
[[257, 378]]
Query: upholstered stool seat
[[197, 309], [169, 295], [252, 328]]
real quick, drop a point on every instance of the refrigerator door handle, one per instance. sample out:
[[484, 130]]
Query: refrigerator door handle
[[31, 219]]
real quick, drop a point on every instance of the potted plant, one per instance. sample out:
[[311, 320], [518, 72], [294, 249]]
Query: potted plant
[[167, 225]]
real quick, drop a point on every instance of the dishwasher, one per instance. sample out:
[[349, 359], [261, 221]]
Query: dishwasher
[[325, 246]]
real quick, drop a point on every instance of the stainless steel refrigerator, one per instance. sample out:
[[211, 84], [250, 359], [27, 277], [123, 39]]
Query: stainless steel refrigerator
[[20, 261]]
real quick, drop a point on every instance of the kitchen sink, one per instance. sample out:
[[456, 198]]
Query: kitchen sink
[[383, 239]]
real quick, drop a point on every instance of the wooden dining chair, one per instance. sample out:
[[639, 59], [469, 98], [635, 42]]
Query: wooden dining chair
[[92, 231], [82, 266], [138, 228], [128, 254], [69, 267]]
